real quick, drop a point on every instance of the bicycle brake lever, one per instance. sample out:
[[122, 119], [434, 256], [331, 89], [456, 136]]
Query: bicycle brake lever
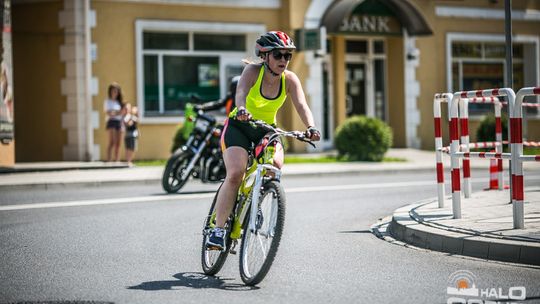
[[310, 143], [303, 138]]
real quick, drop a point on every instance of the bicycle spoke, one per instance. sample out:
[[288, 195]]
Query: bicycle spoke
[[258, 243], [263, 249]]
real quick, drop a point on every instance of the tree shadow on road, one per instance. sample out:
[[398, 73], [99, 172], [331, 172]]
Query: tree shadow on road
[[193, 280]]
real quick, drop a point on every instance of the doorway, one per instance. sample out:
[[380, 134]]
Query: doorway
[[356, 89], [365, 76]]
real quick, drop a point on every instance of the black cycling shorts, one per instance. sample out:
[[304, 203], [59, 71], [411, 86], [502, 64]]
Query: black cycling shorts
[[240, 134]]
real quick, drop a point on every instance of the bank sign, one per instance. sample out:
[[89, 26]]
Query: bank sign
[[369, 24]]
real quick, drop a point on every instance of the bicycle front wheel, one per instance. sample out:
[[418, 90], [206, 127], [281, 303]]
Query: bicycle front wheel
[[213, 260], [259, 247]]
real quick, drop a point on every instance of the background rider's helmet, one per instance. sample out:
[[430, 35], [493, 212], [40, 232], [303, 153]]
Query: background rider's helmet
[[273, 40]]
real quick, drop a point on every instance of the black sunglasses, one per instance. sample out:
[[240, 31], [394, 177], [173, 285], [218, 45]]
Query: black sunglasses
[[278, 55]]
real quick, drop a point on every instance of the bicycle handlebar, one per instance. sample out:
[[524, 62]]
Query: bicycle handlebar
[[298, 135]]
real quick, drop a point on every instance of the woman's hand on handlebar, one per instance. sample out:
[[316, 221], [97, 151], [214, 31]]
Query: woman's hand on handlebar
[[313, 133], [242, 114]]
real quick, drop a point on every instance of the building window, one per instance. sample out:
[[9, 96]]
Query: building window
[[177, 60], [165, 41], [209, 42], [478, 65], [366, 77], [172, 78]]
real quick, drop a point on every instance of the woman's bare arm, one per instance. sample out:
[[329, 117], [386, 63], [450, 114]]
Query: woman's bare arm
[[247, 80], [294, 89]]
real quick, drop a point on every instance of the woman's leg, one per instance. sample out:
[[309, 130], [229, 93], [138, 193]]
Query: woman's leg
[[111, 143], [279, 155], [236, 159], [117, 139]]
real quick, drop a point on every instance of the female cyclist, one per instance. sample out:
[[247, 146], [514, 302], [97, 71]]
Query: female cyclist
[[262, 90]]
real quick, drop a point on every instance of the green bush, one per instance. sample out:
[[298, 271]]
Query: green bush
[[184, 130], [486, 129], [362, 138]]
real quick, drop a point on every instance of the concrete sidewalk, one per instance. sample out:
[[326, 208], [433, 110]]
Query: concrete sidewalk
[[485, 231]]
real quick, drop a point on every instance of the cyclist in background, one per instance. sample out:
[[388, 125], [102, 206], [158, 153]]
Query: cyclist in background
[[262, 90]]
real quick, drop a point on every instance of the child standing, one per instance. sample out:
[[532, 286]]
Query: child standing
[[131, 119]]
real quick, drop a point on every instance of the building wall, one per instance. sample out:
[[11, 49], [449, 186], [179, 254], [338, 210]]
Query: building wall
[[37, 71], [396, 90], [7, 154], [338, 66], [114, 36]]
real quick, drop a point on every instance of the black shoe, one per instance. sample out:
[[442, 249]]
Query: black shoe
[[216, 240]]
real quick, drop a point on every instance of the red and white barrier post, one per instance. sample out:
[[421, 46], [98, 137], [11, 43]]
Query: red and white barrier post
[[493, 174], [454, 147], [499, 139], [515, 103], [464, 117], [445, 97], [454, 159], [464, 122]]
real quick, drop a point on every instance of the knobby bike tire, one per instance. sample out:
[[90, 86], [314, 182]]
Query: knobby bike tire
[[212, 269], [255, 278], [171, 180]]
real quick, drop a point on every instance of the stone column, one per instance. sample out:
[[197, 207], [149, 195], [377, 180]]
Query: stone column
[[78, 86]]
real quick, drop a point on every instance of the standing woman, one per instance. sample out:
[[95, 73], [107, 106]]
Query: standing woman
[[113, 106], [262, 90]]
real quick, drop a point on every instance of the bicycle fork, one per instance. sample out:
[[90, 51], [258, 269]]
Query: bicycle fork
[[257, 189]]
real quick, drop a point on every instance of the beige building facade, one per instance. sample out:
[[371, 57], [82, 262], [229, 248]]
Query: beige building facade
[[381, 58]]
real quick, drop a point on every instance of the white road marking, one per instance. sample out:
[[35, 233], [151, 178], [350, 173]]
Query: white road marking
[[181, 197], [107, 201]]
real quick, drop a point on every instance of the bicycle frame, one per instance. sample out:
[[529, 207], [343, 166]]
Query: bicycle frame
[[253, 179], [259, 212]]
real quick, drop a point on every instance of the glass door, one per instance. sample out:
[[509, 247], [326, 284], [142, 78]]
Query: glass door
[[356, 83], [365, 68]]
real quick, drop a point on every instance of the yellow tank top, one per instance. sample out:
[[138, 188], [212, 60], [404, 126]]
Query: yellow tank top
[[260, 107]]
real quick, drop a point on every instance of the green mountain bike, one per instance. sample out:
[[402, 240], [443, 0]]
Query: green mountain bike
[[257, 217]]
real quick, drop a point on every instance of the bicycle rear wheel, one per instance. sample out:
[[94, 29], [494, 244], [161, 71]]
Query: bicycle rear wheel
[[213, 260], [259, 247]]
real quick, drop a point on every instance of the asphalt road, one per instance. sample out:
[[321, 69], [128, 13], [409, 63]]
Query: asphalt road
[[133, 244]]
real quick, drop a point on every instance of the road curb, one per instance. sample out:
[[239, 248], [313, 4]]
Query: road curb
[[85, 184], [405, 228], [48, 168]]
